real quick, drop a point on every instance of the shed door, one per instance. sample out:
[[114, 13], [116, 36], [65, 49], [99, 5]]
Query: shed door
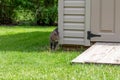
[[105, 20]]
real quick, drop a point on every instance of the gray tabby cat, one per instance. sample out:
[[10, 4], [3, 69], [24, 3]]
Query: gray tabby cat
[[54, 37]]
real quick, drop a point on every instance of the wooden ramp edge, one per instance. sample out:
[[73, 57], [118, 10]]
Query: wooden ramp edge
[[101, 53]]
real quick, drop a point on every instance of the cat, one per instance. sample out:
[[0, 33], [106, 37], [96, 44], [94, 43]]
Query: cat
[[54, 38]]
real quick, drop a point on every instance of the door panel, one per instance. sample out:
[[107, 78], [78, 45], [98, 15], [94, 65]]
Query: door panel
[[105, 20]]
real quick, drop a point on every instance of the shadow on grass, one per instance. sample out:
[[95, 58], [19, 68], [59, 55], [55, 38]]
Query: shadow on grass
[[26, 42]]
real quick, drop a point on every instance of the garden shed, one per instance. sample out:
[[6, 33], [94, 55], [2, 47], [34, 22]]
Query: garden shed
[[82, 22]]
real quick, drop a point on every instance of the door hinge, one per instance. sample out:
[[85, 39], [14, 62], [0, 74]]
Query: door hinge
[[91, 35]]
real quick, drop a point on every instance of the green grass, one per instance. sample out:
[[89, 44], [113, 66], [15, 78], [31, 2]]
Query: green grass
[[25, 55]]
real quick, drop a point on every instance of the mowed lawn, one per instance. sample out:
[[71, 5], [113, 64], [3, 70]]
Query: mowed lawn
[[25, 55]]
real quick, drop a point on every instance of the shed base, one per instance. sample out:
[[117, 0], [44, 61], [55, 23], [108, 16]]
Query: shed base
[[74, 47]]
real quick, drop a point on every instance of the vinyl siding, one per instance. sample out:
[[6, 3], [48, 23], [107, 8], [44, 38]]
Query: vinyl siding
[[73, 22]]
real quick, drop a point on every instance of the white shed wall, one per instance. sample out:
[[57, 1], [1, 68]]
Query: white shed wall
[[72, 22]]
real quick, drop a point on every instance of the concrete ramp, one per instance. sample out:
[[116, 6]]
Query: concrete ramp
[[101, 53]]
